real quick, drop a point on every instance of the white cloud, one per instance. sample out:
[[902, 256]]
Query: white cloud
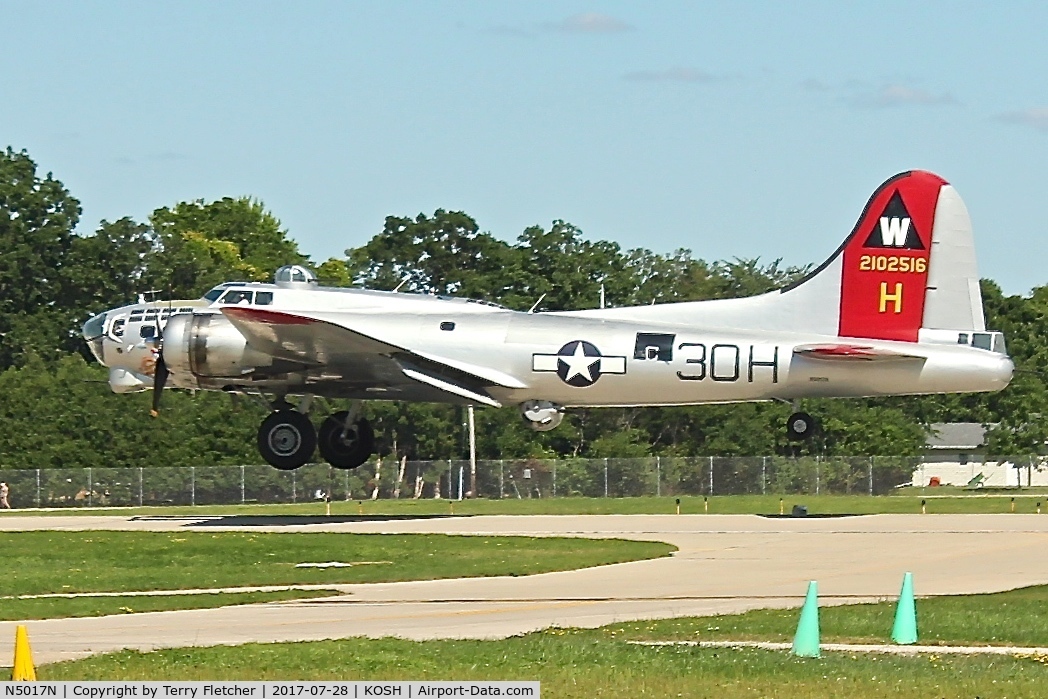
[[901, 95], [1035, 117], [815, 85], [590, 23], [679, 74]]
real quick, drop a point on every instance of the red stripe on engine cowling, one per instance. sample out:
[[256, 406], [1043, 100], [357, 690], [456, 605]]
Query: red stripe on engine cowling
[[878, 299]]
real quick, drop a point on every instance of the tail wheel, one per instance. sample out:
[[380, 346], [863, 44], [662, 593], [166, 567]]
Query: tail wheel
[[346, 447], [287, 439], [800, 426]]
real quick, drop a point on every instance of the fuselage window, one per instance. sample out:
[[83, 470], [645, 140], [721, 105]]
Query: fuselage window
[[981, 340], [447, 325], [962, 338], [147, 331], [118, 327], [185, 310], [237, 296], [264, 298]]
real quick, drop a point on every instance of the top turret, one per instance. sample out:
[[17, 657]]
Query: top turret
[[295, 277]]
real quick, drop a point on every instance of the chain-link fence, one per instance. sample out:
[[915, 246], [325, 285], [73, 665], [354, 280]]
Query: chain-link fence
[[509, 478]]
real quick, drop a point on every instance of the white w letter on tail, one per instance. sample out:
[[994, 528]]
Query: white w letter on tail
[[893, 231]]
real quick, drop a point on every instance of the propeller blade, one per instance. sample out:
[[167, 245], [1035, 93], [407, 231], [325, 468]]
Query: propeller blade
[[160, 374]]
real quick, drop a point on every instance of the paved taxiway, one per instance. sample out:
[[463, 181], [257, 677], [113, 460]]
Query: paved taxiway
[[725, 563]]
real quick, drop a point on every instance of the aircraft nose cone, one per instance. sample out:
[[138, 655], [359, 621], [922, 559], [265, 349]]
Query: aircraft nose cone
[[92, 333]]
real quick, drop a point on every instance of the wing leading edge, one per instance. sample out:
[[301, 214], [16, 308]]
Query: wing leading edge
[[361, 359]]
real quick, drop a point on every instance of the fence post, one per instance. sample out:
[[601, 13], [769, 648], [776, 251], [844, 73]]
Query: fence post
[[554, 478], [345, 483], [817, 475], [658, 476], [38, 487], [764, 475], [192, 485], [711, 475], [90, 487], [294, 483], [605, 476], [243, 499], [139, 486], [502, 479], [870, 471]]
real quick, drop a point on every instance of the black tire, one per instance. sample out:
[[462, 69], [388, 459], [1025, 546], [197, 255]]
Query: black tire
[[349, 450], [287, 439], [800, 426]]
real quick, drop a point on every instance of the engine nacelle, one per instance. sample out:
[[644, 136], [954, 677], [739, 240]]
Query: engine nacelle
[[542, 415], [207, 345]]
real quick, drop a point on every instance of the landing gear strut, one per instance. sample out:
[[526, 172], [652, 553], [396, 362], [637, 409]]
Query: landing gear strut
[[800, 426], [346, 442], [287, 439]]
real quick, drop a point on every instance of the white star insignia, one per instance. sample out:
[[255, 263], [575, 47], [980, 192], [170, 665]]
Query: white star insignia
[[579, 364]]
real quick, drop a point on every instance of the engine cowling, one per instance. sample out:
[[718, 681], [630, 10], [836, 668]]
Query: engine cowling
[[541, 415], [207, 345]]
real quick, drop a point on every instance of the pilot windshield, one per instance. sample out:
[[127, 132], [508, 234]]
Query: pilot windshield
[[237, 296]]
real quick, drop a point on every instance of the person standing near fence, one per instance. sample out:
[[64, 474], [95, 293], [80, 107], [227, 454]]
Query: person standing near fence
[[4, 492]]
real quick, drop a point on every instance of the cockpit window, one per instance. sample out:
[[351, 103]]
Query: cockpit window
[[238, 296], [213, 294], [263, 298]]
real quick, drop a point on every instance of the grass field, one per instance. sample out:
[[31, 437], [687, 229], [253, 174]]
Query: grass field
[[63, 607], [580, 665], [1017, 617], [106, 561], [937, 501], [576, 663]]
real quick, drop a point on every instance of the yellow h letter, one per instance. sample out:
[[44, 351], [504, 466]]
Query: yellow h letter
[[895, 298]]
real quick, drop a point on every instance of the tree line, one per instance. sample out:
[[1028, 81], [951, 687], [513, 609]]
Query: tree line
[[57, 410]]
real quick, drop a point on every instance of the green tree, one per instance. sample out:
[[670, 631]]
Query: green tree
[[37, 218], [199, 245]]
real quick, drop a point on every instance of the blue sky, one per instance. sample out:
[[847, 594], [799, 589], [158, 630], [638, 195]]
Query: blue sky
[[733, 129]]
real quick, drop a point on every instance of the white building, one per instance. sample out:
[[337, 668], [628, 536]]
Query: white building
[[956, 456]]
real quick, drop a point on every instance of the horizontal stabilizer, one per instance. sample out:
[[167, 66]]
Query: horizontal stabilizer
[[852, 353]]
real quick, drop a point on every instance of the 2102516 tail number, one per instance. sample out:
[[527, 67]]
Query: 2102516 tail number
[[893, 263]]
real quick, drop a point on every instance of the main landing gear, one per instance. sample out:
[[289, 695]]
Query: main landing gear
[[287, 438]]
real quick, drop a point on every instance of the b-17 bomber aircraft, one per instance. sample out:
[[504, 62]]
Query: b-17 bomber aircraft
[[896, 310]]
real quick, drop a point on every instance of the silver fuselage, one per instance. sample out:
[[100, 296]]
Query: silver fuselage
[[638, 362]]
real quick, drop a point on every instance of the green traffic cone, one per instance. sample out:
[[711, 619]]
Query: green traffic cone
[[806, 641], [904, 631]]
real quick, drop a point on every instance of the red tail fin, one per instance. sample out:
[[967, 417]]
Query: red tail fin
[[886, 260]]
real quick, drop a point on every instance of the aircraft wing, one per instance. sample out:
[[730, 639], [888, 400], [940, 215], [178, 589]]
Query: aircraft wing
[[355, 358], [852, 353]]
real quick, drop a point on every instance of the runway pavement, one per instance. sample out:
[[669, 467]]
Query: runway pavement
[[725, 563]]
